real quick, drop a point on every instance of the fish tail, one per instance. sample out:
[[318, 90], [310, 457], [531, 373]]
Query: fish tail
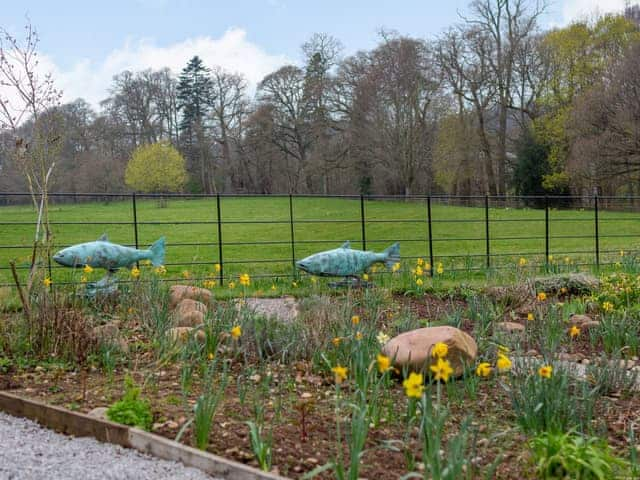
[[392, 255], [157, 252]]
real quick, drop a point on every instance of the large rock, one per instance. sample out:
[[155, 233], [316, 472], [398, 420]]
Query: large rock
[[183, 334], [189, 313], [509, 327], [413, 349], [180, 292], [284, 309], [583, 322]]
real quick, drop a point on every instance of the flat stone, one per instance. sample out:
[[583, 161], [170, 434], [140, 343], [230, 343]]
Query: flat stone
[[284, 309], [99, 412], [509, 327], [413, 349]]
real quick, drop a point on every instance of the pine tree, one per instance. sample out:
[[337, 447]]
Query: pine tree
[[194, 100]]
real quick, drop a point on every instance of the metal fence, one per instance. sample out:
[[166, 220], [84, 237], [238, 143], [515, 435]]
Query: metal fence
[[468, 232]]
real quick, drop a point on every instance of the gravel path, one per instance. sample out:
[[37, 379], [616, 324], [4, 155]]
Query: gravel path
[[28, 451]]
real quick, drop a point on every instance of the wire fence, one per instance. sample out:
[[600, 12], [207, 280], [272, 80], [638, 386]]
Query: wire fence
[[224, 235]]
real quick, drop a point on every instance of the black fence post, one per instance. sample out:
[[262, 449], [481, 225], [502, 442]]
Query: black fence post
[[362, 223], [597, 233], [430, 235], [135, 222], [546, 230], [220, 259], [293, 238], [486, 230]]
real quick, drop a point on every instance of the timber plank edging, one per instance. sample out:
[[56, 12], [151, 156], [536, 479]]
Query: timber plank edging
[[82, 425]]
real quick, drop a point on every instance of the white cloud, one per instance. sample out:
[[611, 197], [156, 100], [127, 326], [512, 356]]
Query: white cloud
[[580, 9], [232, 51]]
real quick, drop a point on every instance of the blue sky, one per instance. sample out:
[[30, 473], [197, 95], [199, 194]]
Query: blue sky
[[84, 43]]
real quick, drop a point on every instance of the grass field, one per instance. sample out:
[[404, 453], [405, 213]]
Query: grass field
[[263, 246]]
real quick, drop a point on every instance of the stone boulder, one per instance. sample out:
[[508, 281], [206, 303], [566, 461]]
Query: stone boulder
[[110, 334], [413, 349], [285, 309], [182, 335], [583, 322], [509, 327], [189, 313], [177, 293]]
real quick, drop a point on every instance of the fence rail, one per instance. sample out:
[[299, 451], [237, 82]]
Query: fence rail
[[483, 231]]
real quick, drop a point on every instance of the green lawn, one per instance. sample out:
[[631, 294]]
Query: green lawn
[[263, 245]]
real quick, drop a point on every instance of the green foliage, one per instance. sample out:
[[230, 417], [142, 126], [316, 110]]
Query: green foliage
[[207, 404], [131, 410], [568, 455], [553, 404], [531, 167], [156, 168], [260, 445]]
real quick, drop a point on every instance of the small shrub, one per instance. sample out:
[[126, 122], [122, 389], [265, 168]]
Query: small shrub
[[568, 455], [131, 410]]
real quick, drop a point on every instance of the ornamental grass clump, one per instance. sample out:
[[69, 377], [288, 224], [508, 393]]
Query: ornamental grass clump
[[207, 404]]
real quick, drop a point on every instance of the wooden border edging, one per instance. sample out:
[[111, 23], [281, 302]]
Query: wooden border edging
[[82, 425]]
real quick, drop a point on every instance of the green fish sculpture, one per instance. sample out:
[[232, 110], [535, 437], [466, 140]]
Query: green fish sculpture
[[346, 262], [110, 256]]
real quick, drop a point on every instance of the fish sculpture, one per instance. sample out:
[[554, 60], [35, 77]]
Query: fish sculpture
[[110, 256], [347, 262]]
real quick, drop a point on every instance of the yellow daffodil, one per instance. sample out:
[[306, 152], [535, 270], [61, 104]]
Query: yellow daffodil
[[541, 296], [186, 274], [83, 279], [439, 350], [340, 373], [47, 282], [336, 341], [419, 271], [420, 262], [209, 284], [365, 277], [622, 253], [355, 319], [231, 285], [395, 267], [419, 282], [236, 332], [294, 284], [87, 269], [607, 306], [574, 331], [413, 386], [503, 363], [522, 262], [160, 270], [217, 267], [440, 269], [550, 257], [427, 266], [530, 317], [545, 371], [135, 272], [273, 288], [245, 280], [382, 338], [484, 369], [384, 363], [442, 370], [210, 356], [502, 349], [358, 336], [564, 290]]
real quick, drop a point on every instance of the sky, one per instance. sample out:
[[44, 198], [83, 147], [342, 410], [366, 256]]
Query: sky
[[85, 43]]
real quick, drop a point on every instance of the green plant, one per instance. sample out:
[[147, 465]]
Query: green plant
[[261, 445], [207, 404], [131, 410], [569, 455], [554, 404]]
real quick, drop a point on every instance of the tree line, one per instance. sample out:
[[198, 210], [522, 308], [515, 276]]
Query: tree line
[[494, 105]]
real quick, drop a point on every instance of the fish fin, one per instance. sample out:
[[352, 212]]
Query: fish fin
[[157, 252], [392, 255], [346, 244], [103, 238]]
